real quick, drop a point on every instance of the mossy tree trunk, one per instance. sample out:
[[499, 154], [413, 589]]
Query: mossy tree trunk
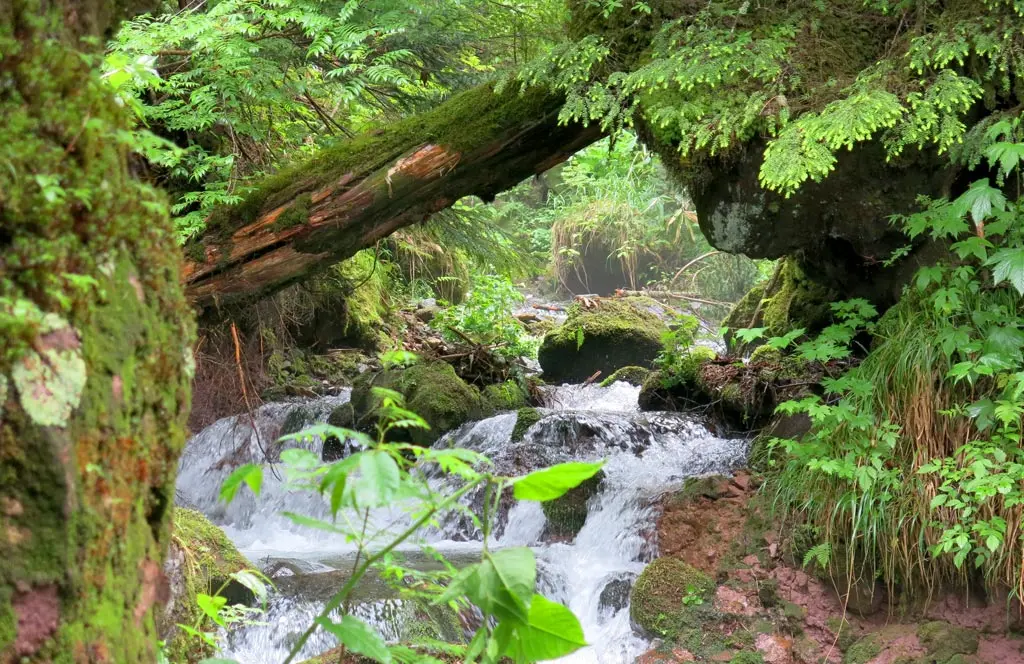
[[95, 339], [317, 213]]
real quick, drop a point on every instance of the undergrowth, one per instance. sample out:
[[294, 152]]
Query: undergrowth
[[914, 470]]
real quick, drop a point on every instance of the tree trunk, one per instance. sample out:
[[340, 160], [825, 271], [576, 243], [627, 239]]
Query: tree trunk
[[95, 339], [317, 213]]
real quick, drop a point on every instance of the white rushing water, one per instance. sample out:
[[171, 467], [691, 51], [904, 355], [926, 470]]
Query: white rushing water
[[646, 455]]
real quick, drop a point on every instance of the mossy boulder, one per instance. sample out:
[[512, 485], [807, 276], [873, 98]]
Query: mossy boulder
[[509, 395], [669, 597], [201, 559], [787, 301], [944, 642], [633, 375], [431, 389], [611, 334], [567, 514], [525, 418]]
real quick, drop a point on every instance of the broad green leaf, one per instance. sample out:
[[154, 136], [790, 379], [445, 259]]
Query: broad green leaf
[[749, 334], [487, 590], [457, 586], [358, 637], [254, 581], [378, 479], [517, 569], [300, 459], [250, 474], [552, 631], [980, 199], [550, 483], [1009, 266], [211, 606]]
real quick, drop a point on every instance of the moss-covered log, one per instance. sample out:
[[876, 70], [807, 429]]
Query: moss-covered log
[[348, 197], [95, 339]]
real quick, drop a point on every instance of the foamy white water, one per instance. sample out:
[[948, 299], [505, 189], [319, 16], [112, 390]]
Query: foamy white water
[[646, 455]]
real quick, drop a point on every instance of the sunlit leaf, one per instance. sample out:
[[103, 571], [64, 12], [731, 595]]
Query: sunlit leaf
[[250, 474], [550, 483], [358, 637]]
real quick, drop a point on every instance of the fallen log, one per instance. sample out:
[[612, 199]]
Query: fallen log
[[350, 196]]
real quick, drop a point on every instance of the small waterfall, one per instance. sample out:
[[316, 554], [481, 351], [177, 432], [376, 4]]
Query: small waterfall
[[647, 454], [212, 454]]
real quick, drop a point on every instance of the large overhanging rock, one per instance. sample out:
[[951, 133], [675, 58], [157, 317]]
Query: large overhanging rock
[[840, 229]]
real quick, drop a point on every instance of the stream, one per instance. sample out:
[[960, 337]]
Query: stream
[[647, 454]]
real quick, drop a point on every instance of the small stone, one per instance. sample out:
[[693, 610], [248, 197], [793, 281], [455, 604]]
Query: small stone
[[615, 595], [774, 648], [741, 481], [731, 601]]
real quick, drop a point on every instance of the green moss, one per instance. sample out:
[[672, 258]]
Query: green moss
[[207, 546], [431, 389], [732, 396], [505, 396], [656, 601], [768, 593], [842, 630], [766, 354], [797, 302], [633, 375], [745, 313], [694, 488], [944, 641], [296, 214], [480, 113], [206, 560], [365, 286], [864, 650], [787, 301], [747, 657], [84, 505], [615, 333], [295, 421], [196, 251], [525, 418]]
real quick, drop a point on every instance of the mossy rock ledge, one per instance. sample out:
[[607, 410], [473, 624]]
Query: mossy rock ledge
[[431, 389], [201, 559], [611, 334]]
